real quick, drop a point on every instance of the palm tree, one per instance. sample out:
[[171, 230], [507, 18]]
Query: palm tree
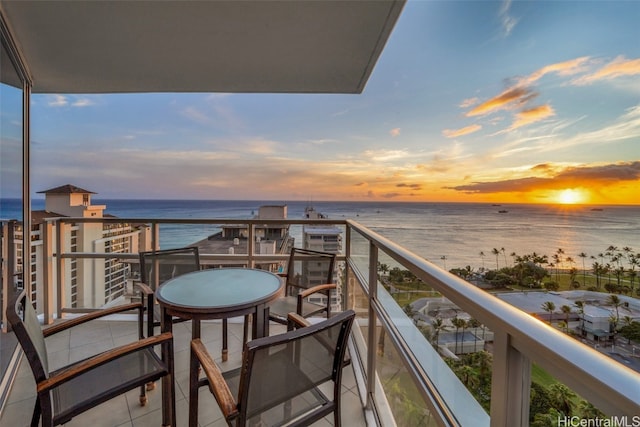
[[482, 255], [483, 360], [444, 260], [549, 307], [475, 324], [437, 325], [458, 323], [496, 252], [468, 376], [584, 271], [505, 256], [597, 270], [581, 305], [562, 398], [628, 320], [615, 302], [590, 412], [566, 309]]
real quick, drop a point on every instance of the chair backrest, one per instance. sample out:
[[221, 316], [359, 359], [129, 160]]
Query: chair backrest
[[24, 321], [307, 268], [156, 267], [280, 373]]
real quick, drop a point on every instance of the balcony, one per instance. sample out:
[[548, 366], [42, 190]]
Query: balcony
[[397, 377]]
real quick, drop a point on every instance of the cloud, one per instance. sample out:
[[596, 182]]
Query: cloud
[[394, 132], [508, 22], [566, 68], [63, 101], [57, 101], [413, 186], [452, 133], [569, 177], [619, 67], [195, 115], [82, 102], [510, 98], [466, 103], [385, 155], [532, 115]]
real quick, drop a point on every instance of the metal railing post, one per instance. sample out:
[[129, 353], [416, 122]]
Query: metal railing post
[[372, 347], [59, 268], [510, 384], [251, 249], [47, 272]]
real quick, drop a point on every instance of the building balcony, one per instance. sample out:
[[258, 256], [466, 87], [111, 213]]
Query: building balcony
[[398, 375]]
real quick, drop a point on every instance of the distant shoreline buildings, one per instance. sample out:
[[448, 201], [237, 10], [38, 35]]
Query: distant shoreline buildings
[[97, 282]]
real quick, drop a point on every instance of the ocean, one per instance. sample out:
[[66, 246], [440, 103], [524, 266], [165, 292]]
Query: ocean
[[459, 232]]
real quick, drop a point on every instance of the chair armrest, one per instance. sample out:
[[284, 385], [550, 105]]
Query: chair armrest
[[147, 296], [54, 329], [144, 288], [317, 288], [86, 365], [296, 321], [217, 384]]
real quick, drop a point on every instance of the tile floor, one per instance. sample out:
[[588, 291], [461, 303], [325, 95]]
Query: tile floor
[[125, 410]]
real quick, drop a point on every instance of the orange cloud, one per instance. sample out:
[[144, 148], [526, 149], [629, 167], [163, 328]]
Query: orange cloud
[[584, 176], [570, 67], [394, 132], [505, 100], [532, 115], [617, 68], [452, 133]]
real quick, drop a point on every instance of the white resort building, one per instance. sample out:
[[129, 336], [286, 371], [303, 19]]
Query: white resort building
[[105, 278]]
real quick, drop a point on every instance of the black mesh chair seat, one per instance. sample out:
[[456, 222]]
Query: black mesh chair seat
[[66, 392], [278, 382], [106, 381], [289, 304]]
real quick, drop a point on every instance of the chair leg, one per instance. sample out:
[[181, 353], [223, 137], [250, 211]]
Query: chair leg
[[245, 331], [35, 418], [225, 348], [143, 395]]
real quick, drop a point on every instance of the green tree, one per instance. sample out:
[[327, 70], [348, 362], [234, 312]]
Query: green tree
[[562, 398], [581, 306], [458, 323], [496, 252], [584, 270], [437, 326], [588, 411], [566, 310], [549, 307]]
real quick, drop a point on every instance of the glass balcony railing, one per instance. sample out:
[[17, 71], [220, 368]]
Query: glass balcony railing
[[465, 358]]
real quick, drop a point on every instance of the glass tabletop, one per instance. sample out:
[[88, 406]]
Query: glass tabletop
[[219, 288]]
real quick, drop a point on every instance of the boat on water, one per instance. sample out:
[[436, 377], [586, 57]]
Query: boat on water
[[503, 211]]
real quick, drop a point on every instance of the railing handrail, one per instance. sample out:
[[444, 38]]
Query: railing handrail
[[614, 387]]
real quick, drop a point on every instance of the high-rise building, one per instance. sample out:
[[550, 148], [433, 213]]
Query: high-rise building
[[323, 238], [89, 282]]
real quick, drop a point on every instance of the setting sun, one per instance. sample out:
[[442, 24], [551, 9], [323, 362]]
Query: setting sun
[[569, 197]]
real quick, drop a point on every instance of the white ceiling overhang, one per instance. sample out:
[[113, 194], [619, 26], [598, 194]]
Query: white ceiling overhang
[[302, 46]]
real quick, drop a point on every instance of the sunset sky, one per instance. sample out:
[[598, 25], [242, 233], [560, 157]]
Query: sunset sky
[[481, 101]]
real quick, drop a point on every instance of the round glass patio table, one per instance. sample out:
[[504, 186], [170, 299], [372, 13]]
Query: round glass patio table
[[220, 293]]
